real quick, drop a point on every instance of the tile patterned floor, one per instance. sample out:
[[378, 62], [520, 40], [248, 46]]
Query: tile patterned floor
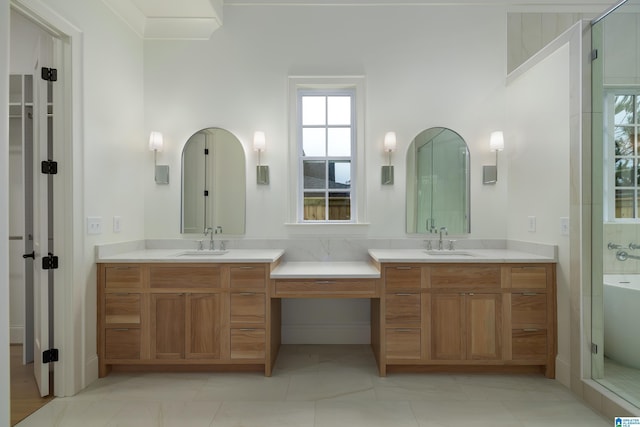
[[622, 380], [319, 386]]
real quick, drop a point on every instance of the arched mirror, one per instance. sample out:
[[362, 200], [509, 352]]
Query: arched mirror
[[438, 183], [213, 183]]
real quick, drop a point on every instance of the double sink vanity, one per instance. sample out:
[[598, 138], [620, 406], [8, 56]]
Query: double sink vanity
[[476, 309]]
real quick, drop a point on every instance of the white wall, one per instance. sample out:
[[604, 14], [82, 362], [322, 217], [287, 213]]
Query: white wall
[[424, 66], [537, 148]]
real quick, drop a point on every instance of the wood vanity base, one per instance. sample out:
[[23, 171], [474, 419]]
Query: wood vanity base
[[425, 317]]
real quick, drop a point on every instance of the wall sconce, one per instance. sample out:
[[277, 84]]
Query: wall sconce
[[161, 172], [259, 145], [496, 143], [389, 147]]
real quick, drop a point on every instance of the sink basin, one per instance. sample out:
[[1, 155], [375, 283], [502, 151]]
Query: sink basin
[[448, 253], [203, 253]]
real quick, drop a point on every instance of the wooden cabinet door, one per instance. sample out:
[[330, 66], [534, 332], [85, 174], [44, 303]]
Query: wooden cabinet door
[[483, 326], [204, 326], [167, 326], [447, 326]]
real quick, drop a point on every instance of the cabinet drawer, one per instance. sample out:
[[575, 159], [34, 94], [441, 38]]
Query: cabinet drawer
[[529, 277], [122, 309], [161, 277], [248, 277], [325, 288], [465, 277], [529, 344], [122, 344], [402, 308], [248, 343], [403, 277], [247, 307], [403, 343], [122, 276], [529, 310]]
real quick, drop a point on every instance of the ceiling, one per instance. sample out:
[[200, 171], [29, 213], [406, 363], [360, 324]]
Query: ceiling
[[198, 19]]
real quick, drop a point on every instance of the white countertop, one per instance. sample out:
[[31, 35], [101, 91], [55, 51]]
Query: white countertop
[[325, 270], [457, 256], [184, 255]]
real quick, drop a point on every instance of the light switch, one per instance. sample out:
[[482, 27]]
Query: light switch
[[564, 226], [531, 224], [117, 224], [94, 225]]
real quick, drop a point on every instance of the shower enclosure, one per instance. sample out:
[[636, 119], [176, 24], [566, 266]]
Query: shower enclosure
[[616, 200]]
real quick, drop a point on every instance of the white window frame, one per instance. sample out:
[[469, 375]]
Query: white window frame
[[329, 86], [609, 169]]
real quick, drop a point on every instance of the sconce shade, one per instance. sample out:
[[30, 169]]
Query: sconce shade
[[155, 141], [496, 141], [390, 141], [259, 141]]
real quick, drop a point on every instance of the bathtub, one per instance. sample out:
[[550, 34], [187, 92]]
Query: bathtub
[[622, 318]]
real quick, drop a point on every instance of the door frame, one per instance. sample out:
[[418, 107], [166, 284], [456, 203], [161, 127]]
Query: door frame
[[68, 298]]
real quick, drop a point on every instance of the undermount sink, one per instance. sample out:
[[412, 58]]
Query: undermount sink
[[203, 252], [447, 253]]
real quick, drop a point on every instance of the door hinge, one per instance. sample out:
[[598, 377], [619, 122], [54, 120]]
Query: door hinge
[[49, 74], [594, 348], [49, 262], [206, 193], [206, 151], [594, 54], [49, 167], [50, 355]]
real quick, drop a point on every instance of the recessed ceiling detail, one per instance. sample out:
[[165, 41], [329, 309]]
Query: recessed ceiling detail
[[170, 19]]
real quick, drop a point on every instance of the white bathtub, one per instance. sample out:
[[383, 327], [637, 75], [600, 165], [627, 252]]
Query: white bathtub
[[622, 318]]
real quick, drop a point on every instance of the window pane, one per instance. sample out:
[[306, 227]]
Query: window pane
[[624, 204], [314, 142], [624, 109], [624, 173], [623, 139], [339, 174], [339, 144], [314, 206], [339, 206], [314, 174], [339, 110], [314, 111]]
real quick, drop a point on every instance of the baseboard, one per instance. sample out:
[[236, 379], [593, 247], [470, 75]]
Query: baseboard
[[91, 370], [563, 372], [352, 333], [16, 334]]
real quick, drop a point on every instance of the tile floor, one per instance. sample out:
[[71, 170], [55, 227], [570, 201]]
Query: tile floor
[[319, 386], [622, 380]]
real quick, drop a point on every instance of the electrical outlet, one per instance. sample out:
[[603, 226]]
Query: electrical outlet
[[564, 226], [531, 224], [94, 225], [117, 224]]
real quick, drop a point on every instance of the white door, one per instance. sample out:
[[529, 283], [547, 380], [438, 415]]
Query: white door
[[41, 216]]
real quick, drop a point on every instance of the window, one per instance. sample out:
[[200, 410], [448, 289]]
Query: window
[[327, 153], [623, 148], [326, 136]]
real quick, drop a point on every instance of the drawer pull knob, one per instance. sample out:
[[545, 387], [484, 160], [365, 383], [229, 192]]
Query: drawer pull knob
[[246, 294], [403, 330], [529, 294], [404, 295], [403, 268], [325, 282], [248, 329], [120, 329], [246, 267], [531, 329]]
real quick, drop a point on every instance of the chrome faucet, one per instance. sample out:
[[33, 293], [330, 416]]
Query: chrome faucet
[[209, 231], [446, 233]]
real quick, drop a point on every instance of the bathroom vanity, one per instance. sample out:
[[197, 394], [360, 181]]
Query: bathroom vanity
[[482, 310]]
